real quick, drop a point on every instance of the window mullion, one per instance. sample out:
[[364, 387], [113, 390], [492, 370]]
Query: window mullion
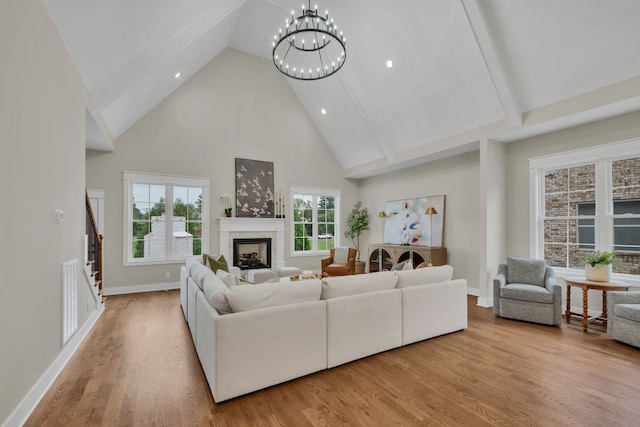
[[603, 221]]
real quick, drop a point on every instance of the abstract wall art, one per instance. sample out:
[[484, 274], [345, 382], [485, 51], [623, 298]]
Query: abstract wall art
[[407, 222]]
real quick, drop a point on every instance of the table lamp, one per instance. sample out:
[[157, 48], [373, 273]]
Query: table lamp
[[431, 211]]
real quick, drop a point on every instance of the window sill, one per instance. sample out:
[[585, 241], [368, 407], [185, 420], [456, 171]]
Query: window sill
[[135, 263], [310, 253]]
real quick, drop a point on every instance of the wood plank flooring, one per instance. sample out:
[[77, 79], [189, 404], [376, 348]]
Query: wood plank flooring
[[138, 367]]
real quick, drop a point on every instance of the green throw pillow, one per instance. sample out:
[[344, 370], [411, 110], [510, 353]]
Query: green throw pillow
[[218, 264]]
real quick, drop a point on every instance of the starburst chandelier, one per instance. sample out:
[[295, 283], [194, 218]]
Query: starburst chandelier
[[310, 47]]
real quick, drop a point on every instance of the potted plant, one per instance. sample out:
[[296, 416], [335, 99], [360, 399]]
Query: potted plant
[[357, 223], [598, 265], [228, 210]]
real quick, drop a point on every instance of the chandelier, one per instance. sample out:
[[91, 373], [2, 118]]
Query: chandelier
[[310, 46]]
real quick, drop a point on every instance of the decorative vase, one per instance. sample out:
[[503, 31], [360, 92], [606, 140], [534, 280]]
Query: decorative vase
[[598, 274], [228, 213]]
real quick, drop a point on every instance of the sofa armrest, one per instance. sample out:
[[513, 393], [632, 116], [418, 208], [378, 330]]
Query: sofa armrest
[[499, 281], [325, 262], [619, 297], [352, 265]]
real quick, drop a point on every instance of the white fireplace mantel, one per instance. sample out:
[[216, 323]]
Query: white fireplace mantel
[[230, 228]]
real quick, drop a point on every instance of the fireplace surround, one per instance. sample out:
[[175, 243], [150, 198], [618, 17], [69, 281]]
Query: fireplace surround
[[252, 228]]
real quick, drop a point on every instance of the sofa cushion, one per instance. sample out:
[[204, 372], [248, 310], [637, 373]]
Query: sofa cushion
[[334, 287], [245, 298], [215, 290], [218, 263], [423, 276], [627, 311], [198, 273], [526, 270], [229, 279], [523, 292]]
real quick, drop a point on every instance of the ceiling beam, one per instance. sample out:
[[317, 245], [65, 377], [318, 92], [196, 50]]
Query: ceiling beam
[[387, 148], [478, 22]]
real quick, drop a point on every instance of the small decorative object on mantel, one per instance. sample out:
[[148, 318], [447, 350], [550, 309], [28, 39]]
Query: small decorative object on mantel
[[279, 204], [598, 266], [228, 210]]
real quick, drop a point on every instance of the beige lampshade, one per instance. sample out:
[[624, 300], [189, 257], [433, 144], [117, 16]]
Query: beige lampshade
[[431, 211], [382, 214]]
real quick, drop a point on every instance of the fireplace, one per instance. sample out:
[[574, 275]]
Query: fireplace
[[252, 253]]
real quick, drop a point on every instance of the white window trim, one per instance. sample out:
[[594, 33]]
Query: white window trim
[[315, 191], [128, 178], [602, 156]]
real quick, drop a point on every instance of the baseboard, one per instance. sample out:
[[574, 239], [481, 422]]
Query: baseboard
[[19, 416], [151, 287], [473, 291], [485, 302]]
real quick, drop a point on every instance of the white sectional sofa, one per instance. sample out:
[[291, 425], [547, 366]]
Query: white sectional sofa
[[274, 332]]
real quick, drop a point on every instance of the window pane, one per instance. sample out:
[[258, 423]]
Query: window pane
[[627, 207]]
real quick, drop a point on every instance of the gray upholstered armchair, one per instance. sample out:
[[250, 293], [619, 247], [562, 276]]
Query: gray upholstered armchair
[[623, 316], [526, 289]]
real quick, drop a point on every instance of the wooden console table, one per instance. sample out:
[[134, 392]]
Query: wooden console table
[[383, 256], [586, 285]]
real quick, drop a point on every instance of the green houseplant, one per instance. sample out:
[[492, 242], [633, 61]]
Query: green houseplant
[[598, 265], [357, 223]]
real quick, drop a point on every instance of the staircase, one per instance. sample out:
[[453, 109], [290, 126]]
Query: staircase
[[93, 244]]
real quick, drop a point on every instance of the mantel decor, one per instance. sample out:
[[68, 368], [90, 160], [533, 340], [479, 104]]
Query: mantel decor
[[254, 189], [310, 47], [408, 222]]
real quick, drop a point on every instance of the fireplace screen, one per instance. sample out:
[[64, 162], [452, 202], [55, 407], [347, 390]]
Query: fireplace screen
[[252, 253]]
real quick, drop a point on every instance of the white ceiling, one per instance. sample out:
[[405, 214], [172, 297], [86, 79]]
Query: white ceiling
[[464, 69]]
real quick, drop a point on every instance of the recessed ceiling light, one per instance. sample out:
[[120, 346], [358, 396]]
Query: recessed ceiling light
[[176, 75], [323, 111], [389, 63]]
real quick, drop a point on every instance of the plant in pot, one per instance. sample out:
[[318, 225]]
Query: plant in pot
[[228, 210], [598, 265], [357, 223]]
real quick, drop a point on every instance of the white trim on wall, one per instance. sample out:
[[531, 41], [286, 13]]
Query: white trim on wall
[[134, 289], [24, 409]]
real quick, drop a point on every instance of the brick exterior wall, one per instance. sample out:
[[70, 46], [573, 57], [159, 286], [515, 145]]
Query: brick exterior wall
[[565, 188]]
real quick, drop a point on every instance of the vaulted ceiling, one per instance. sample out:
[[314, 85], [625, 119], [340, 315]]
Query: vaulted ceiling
[[463, 69]]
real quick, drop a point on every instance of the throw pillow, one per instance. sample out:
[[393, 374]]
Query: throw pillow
[[219, 263], [229, 279], [424, 265], [341, 255], [408, 265], [215, 290], [526, 271], [399, 266]]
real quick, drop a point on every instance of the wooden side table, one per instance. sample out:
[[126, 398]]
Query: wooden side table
[[586, 285]]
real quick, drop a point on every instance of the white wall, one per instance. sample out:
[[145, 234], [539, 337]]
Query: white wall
[[42, 130], [457, 178], [238, 105]]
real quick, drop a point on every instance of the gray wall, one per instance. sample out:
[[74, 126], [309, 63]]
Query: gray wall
[[238, 105], [42, 159]]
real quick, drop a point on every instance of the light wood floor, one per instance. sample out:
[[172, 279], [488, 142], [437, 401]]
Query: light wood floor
[[138, 367]]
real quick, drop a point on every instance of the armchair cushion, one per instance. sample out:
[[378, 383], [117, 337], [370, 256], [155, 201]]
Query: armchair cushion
[[526, 292], [341, 255], [526, 271], [627, 311]]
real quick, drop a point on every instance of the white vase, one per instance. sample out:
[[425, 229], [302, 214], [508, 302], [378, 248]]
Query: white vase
[[598, 274]]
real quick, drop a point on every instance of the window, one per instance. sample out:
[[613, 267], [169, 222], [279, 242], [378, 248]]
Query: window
[[165, 218], [316, 219], [587, 200]]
